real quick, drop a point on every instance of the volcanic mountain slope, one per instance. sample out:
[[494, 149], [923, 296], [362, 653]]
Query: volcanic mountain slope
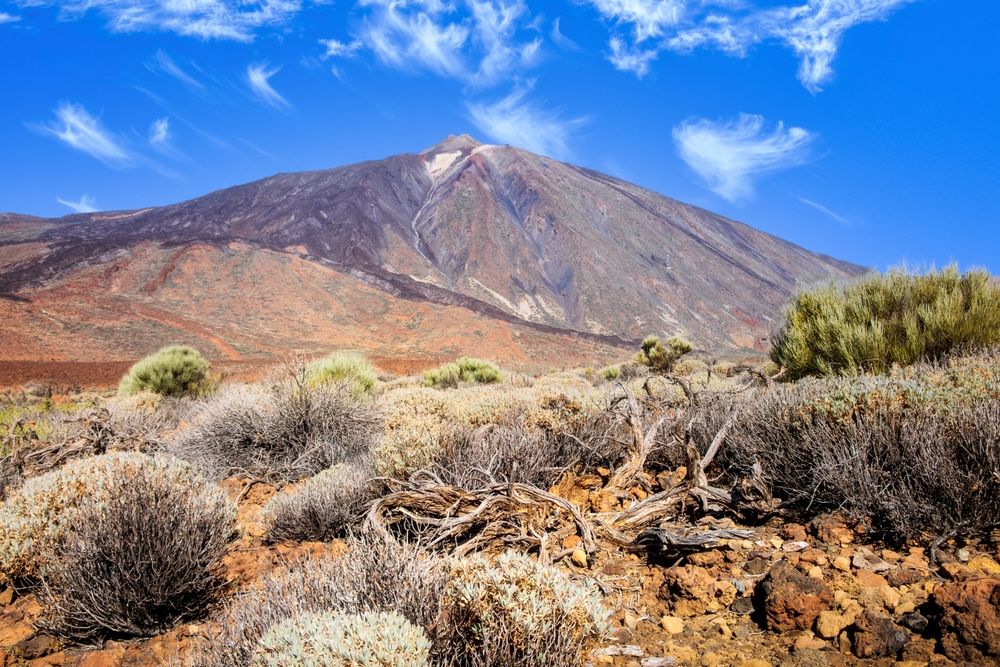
[[464, 247]]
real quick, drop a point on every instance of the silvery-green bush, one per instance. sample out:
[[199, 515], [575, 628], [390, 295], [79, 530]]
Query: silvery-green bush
[[515, 611], [331, 639]]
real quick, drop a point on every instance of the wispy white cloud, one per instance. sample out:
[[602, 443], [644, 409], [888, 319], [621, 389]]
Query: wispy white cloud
[[647, 18], [479, 42], [159, 133], [86, 204], [164, 63], [517, 121], [8, 18], [560, 39], [825, 211], [495, 28], [206, 19], [177, 116], [730, 155], [813, 30], [257, 149], [337, 49], [75, 127], [412, 35], [628, 58], [259, 80]]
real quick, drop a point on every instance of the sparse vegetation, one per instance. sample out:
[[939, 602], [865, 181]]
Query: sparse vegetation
[[371, 639], [422, 424], [659, 356], [886, 320], [468, 513], [466, 370], [141, 556], [177, 370], [353, 369]]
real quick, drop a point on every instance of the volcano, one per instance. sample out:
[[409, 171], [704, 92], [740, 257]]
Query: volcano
[[464, 248]]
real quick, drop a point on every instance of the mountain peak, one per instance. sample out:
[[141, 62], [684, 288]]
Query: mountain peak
[[453, 142]]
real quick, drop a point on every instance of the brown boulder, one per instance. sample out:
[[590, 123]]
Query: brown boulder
[[691, 591], [877, 637], [968, 613], [789, 599]]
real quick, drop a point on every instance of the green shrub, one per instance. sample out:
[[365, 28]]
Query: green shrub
[[466, 370], [373, 639], [176, 370], [660, 357], [611, 373], [140, 555], [883, 320], [344, 367], [515, 611]]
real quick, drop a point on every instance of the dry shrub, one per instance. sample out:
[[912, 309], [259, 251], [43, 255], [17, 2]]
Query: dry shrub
[[513, 452], [35, 520], [422, 425], [511, 613], [515, 612], [136, 423], [916, 453], [283, 430], [141, 557], [376, 575], [323, 507]]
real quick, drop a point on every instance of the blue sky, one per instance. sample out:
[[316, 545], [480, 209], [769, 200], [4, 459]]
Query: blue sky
[[866, 129]]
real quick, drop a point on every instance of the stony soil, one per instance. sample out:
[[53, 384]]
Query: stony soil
[[819, 594]]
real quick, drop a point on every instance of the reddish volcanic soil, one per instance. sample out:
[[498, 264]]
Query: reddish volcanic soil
[[246, 308]]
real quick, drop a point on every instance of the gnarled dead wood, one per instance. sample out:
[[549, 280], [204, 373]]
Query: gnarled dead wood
[[440, 514], [670, 543], [625, 475], [504, 514]]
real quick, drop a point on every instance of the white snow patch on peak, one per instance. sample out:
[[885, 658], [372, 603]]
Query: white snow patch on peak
[[441, 161]]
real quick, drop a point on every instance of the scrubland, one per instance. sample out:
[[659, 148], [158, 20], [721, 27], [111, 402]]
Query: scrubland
[[670, 509]]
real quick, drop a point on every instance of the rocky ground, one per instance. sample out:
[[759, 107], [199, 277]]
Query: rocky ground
[[817, 594]]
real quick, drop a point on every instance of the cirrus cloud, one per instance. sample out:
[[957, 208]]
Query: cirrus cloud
[[85, 204], [77, 128], [258, 77], [517, 121], [814, 30], [206, 19], [478, 42], [730, 155]]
